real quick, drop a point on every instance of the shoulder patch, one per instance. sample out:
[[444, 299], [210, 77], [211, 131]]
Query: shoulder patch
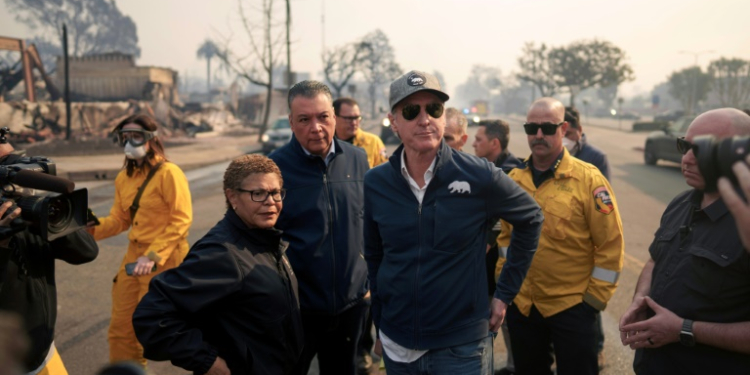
[[603, 200]]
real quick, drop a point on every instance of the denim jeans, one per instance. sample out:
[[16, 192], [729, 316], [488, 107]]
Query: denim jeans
[[474, 358]]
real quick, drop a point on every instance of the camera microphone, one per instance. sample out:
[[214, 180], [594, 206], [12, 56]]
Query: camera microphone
[[42, 181]]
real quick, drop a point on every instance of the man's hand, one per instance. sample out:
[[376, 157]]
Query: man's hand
[[636, 312], [219, 368], [498, 314], [143, 267], [378, 348], [661, 329], [738, 207], [5, 221]]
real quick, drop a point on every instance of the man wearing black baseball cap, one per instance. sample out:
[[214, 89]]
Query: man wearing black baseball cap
[[426, 214]]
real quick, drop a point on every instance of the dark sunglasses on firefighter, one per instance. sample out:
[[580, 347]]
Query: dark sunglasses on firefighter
[[135, 137], [411, 111], [683, 146], [548, 128]]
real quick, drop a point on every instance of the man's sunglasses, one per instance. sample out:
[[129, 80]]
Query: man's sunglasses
[[683, 146], [411, 111], [548, 128]]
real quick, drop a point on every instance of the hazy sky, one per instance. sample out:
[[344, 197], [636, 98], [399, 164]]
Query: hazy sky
[[451, 35]]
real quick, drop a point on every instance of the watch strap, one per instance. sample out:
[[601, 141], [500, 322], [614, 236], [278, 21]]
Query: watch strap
[[687, 326]]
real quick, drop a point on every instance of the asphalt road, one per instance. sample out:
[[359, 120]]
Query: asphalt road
[[642, 192]]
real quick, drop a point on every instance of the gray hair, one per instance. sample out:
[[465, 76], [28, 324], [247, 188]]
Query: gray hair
[[461, 121], [308, 89]]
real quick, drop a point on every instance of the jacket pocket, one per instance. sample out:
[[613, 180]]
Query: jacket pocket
[[661, 240], [709, 268], [556, 219]]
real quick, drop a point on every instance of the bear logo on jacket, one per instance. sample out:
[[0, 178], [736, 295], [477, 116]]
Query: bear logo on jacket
[[459, 187]]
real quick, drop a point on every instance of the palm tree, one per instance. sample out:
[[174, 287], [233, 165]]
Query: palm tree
[[207, 51]]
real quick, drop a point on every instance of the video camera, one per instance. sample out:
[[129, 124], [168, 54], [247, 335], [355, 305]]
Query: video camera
[[50, 216], [716, 157]]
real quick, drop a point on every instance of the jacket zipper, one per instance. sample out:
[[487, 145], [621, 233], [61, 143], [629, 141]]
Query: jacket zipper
[[330, 234], [416, 278]]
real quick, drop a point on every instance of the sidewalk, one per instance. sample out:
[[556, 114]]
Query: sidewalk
[[188, 154]]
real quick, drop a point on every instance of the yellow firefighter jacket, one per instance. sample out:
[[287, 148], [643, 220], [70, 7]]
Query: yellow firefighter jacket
[[581, 248], [373, 146], [163, 219]]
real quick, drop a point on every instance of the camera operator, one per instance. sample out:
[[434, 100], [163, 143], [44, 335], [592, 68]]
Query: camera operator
[[691, 309], [27, 281]]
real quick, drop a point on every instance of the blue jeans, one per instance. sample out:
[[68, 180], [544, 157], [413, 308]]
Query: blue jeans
[[474, 358]]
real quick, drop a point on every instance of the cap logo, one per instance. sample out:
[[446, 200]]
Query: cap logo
[[416, 80]]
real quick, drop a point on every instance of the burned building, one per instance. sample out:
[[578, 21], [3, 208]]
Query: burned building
[[115, 77]]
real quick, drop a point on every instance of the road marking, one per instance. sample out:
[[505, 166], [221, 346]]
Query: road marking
[[633, 260]]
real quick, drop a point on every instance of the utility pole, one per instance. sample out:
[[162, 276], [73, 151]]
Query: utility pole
[[288, 48], [693, 91]]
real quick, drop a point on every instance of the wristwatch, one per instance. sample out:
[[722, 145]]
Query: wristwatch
[[686, 334]]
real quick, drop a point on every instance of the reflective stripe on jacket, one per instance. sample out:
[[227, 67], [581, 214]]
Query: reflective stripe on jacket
[[164, 216], [581, 248]]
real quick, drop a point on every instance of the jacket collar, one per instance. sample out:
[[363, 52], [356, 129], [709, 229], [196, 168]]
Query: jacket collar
[[563, 167], [267, 238], [297, 147], [444, 156]]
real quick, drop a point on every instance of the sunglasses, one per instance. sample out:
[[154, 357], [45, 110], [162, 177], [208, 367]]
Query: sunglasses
[[683, 146], [411, 111], [548, 128]]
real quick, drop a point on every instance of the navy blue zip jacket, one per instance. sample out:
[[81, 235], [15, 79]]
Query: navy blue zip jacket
[[426, 261], [322, 221]]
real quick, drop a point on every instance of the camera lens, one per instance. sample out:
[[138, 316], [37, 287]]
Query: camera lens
[[59, 214], [716, 157]]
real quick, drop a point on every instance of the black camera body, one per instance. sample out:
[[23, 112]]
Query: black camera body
[[716, 156], [51, 215]]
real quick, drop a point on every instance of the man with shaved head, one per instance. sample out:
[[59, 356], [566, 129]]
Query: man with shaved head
[[691, 309], [579, 257]]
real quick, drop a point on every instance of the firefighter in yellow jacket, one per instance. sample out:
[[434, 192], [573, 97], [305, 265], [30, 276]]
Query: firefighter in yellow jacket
[[348, 118], [579, 258], [158, 230]]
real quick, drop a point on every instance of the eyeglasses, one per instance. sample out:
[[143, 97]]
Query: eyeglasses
[[548, 128], [134, 137], [411, 111], [262, 195], [683, 146], [351, 118]]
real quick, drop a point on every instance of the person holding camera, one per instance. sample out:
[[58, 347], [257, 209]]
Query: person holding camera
[[27, 281], [152, 199], [691, 309]]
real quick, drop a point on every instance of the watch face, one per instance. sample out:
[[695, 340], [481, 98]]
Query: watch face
[[687, 338]]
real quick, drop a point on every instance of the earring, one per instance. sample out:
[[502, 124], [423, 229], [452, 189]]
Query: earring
[[234, 208]]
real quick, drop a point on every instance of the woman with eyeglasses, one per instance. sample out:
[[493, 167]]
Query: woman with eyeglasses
[[232, 306], [158, 219]]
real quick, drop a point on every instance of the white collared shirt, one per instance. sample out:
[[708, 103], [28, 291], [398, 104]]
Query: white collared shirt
[[328, 157], [418, 192]]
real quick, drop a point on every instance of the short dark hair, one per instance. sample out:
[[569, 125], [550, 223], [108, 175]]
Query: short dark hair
[[308, 89], [497, 129], [338, 102], [572, 117], [245, 165]]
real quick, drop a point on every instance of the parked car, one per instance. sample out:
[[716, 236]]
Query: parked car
[[387, 135], [662, 144], [277, 135]]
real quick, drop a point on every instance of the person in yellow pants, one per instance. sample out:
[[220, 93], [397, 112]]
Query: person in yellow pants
[[158, 227]]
